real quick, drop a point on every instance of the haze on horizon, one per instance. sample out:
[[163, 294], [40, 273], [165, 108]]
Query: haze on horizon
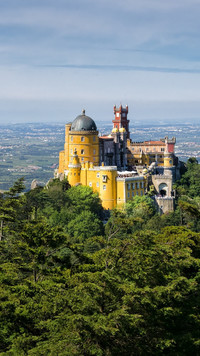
[[58, 57]]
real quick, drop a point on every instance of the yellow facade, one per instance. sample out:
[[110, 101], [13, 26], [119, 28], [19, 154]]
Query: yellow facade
[[145, 153], [61, 166], [79, 161], [74, 170], [101, 179], [113, 189], [85, 143], [128, 188]]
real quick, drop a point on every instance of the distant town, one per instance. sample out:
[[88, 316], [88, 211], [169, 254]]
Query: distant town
[[31, 150]]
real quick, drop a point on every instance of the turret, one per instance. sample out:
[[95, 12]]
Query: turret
[[168, 163], [168, 155], [74, 170]]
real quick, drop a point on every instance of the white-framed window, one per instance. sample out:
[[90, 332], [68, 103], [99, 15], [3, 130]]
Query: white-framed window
[[104, 187], [90, 184], [71, 151], [82, 159], [162, 149], [97, 184], [82, 152], [98, 175], [104, 178], [82, 139]]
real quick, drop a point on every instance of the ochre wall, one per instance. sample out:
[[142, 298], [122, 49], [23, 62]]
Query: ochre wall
[[168, 160], [88, 141], [61, 162], [101, 180], [127, 189]]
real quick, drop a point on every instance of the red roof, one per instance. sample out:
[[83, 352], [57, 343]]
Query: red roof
[[150, 143]]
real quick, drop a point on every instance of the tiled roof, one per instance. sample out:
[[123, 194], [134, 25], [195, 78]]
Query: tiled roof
[[149, 143]]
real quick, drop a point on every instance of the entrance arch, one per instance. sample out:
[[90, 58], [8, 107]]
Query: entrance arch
[[163, 190]]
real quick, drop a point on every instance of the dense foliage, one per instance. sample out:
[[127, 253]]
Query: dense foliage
[[73, 285]]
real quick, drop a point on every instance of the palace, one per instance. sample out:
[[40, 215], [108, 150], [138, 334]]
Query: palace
[[115, 166]]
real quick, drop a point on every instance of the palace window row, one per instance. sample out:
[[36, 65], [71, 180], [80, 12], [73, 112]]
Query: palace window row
[[138, 185], [83, 138]]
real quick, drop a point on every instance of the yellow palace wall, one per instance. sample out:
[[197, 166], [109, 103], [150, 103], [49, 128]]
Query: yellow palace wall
[[102, 180], [112, 191], [86, 144], [128, 188]]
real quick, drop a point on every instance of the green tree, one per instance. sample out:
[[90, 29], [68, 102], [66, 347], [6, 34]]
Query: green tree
[[189, 183], [55, 190], [84, 226], [37, 244], [83, 198], [11, 209]]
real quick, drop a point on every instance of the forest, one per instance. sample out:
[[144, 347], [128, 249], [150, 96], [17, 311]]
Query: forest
[[72, 283]]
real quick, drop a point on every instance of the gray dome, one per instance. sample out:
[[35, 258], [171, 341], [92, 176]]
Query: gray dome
[[83, 123]]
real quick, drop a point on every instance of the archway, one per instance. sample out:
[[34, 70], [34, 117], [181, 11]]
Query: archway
[[163, 189]]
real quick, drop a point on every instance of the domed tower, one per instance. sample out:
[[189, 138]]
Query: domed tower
[[84, 139]]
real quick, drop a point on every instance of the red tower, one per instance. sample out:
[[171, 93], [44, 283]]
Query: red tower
[[121, 119]]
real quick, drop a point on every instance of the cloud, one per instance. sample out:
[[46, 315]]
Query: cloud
[[111, 67], [125, 22], [85, 50]]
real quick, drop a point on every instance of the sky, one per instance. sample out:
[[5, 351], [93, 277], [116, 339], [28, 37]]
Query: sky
[[58, 57]]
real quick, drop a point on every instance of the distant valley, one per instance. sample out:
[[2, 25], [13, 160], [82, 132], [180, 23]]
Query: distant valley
[[31, 150]]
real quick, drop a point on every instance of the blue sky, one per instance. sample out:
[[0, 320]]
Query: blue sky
[[59, 56]]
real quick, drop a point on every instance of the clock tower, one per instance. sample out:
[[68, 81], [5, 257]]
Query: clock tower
[[121, 120]]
